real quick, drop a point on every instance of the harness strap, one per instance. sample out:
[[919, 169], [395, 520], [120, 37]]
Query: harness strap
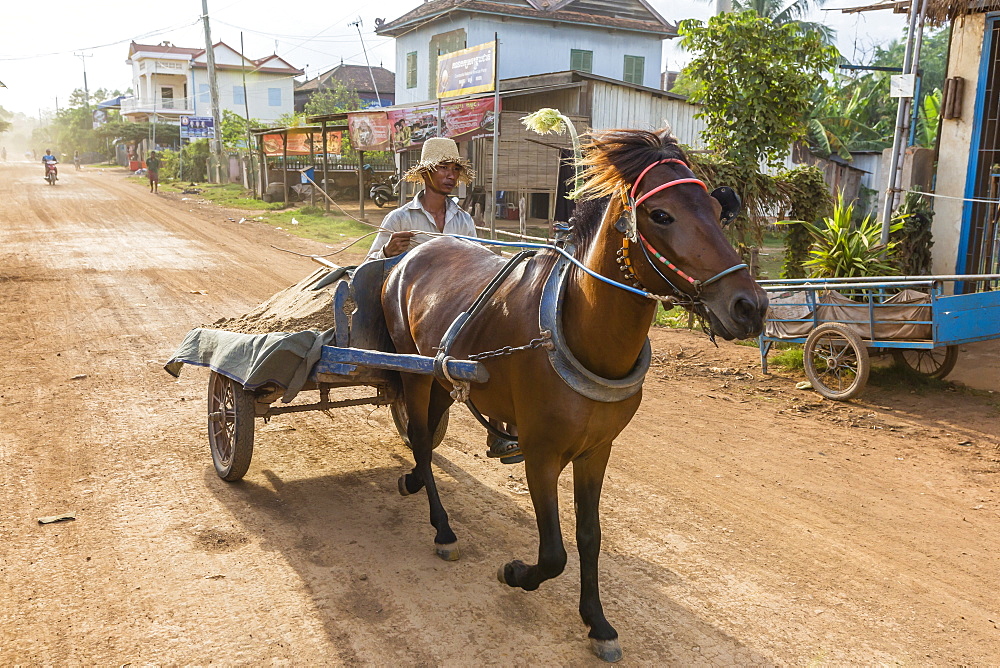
[[456, 327]]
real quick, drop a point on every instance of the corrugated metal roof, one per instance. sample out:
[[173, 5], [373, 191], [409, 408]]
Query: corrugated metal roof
[[624, 14]]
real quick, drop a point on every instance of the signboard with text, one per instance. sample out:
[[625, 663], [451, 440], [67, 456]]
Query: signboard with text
[[461, 120], [197, 127], [466, 71]]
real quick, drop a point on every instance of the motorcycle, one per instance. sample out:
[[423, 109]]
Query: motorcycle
[[386, 191], [51, 174]]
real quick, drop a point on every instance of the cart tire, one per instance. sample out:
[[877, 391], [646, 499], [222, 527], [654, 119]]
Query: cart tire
[[400, 418], [230, 426], [836, 361], [933, 363]]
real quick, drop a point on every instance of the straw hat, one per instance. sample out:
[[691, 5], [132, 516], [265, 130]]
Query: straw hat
[[436, 152]]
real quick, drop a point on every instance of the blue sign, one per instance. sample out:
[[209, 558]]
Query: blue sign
[[197, 127]]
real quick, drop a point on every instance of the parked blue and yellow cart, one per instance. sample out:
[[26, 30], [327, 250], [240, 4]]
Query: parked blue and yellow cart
[[919, 320]]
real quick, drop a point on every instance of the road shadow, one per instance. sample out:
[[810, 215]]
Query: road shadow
[[364, 554]]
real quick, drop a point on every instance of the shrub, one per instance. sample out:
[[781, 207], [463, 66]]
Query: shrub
[[912, 235], [841, 250]]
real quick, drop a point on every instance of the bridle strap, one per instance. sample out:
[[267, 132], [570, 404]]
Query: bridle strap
[[633, 202], [698, 285]]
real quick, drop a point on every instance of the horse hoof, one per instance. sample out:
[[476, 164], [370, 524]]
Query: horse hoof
[[607, 650], [500, 577], [402, 486], [448, 552]]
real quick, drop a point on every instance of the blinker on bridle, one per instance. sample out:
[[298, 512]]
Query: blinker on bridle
[[627, 226]]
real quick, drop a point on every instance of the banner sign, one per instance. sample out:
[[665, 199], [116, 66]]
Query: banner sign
[[299, 144], [466, 71], [197, 127], [462, 121], [370, 131]]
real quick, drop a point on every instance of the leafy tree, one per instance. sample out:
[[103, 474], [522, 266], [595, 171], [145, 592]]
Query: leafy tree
[[332, 98], [235, 129], [5, 124], [753, 79], [933, 57], [844, 118]]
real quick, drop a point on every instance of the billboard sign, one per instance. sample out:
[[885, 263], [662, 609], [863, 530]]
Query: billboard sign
[[197, 127], [460, 120], [302, 143], [369, 132], [466, 71]]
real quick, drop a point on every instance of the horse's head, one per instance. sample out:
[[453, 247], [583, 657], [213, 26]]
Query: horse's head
[[672, 229]]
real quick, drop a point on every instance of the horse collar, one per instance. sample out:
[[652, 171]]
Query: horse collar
[[580, 379]]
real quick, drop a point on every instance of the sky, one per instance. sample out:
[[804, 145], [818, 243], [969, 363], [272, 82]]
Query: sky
[[45, 49]]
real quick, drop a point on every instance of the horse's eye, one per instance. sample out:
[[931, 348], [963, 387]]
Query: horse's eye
[[661, 217]]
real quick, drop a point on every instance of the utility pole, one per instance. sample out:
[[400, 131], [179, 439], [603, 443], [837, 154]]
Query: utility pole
[[86, 91], [357, 24], [215, 144]]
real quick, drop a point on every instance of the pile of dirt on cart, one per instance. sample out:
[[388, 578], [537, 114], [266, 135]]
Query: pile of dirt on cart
[[294, 309]]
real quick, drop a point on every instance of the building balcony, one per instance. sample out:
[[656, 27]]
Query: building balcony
[[168, 107]]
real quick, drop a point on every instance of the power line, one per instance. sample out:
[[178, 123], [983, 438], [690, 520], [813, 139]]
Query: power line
[[153, 33]]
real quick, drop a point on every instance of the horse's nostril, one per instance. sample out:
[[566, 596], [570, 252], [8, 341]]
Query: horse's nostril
[[744, 310]]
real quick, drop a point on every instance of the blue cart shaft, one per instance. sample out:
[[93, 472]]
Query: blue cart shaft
[[346, 361]]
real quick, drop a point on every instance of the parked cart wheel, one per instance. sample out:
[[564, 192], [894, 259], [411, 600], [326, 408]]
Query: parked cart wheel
[[402, 420], [836, 361], [230, 426], [933, 363]]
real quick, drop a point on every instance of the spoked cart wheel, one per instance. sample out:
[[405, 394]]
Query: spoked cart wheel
[[933, 363], [836, 361], [230, 426], [401, 419]]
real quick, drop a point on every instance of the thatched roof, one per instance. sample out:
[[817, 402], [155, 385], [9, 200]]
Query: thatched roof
[[939, 12]]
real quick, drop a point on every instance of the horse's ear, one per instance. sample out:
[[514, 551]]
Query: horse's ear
[[730, 202]]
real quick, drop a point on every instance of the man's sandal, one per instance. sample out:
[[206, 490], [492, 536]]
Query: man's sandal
[[508, 452]]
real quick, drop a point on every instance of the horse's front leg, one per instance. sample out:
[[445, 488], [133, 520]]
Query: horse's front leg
[[588, 478], [542, 472], [426, 403]]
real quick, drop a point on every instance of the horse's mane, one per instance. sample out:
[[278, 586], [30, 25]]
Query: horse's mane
[[612, 161]]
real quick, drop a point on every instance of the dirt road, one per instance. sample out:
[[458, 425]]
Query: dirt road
[[745, 522]]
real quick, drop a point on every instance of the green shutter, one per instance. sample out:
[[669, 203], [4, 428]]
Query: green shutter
[[581, 60], [634, 66], [411, 69]]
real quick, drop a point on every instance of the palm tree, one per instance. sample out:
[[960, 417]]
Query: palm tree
[[782, 12]]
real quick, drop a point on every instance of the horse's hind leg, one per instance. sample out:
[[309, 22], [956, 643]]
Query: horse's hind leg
[[588, 478], [426, 406]]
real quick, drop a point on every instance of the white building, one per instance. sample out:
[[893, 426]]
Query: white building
[[171, 81], [616, 39]]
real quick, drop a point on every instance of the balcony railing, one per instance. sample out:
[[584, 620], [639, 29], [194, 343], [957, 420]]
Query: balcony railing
[[149, 105]]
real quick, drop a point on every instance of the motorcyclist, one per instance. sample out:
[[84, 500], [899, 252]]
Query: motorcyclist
[[46, 159]]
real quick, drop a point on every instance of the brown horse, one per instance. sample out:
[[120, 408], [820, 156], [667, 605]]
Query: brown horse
[[561, 419]]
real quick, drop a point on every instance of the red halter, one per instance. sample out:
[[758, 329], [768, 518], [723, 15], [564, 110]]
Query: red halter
[[636, 202]]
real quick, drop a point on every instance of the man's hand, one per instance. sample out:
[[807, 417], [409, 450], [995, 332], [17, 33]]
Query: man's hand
[[398, 243]]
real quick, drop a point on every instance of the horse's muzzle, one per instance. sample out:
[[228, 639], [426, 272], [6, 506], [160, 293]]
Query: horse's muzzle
[[742, 317]]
